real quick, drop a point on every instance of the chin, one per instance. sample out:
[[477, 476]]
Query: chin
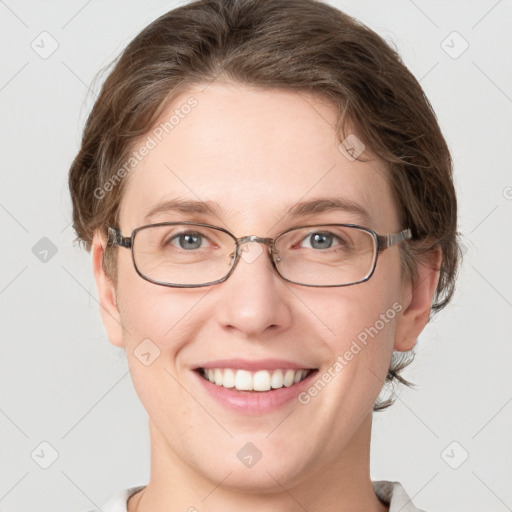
[[265, 477]]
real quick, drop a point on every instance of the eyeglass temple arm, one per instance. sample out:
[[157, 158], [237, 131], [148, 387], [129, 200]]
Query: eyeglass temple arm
[[115, 238], [391, 239]]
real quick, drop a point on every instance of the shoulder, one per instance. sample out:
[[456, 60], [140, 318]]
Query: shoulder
[[118, 502], [394, 494]]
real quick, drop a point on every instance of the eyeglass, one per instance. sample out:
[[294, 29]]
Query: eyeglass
[[190, 255]]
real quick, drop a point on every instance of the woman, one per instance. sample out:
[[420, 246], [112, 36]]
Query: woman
[[268, 201]]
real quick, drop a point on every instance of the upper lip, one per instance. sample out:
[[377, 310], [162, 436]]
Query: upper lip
[[253, 365]]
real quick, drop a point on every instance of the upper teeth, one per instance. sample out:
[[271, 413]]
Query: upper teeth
[[262, 380]]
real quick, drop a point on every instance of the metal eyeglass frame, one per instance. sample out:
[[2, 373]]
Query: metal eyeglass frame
[[381, 243]]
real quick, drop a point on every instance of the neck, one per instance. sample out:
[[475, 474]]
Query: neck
[[343, 485]]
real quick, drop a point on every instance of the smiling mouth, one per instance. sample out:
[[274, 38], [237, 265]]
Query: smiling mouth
[[260, 381]]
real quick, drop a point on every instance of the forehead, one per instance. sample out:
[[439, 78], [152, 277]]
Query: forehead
[[252, 153]]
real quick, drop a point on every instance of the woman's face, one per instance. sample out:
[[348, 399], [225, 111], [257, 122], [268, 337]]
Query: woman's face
[[254, 154]]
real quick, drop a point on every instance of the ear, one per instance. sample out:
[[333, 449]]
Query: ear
[[417, 302], [106, 293]]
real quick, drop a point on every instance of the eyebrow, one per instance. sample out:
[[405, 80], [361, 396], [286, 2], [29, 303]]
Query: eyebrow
[[327, 204], [300, 209], [183, 206]]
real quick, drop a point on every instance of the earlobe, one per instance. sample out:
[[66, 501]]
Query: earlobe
[[107, 294], [417, 303]]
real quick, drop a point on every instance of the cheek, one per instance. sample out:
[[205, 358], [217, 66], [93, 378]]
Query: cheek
[[364, 328], [157, 323], [359, 323], [359, 314], [150, 311]]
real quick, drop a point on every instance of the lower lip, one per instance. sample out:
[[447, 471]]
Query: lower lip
[[254, 402]]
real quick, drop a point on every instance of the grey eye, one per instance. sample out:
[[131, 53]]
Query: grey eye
[[319, 240], [188, 241]]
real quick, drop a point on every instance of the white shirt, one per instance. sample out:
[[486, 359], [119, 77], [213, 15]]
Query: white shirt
[[389, 492]]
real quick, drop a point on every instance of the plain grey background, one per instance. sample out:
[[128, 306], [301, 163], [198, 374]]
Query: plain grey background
[[72, 431]]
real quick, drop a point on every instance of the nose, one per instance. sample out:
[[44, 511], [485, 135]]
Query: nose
[[253, 300]]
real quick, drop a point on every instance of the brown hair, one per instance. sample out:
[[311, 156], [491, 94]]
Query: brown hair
[[301, 45]]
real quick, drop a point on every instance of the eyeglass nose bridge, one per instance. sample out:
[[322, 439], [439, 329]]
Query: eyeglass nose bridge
[[269, 242]]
